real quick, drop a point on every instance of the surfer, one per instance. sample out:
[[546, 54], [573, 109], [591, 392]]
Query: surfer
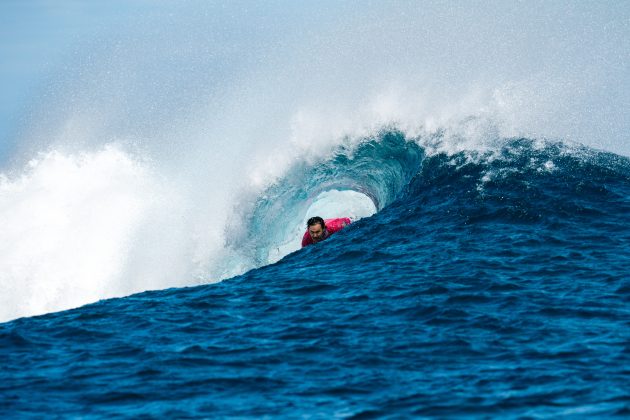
[[318, 229]]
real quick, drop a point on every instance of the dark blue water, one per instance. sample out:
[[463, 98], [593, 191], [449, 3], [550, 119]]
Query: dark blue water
[[489, 284]]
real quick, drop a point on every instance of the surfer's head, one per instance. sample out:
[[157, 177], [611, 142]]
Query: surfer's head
[[316, 228]]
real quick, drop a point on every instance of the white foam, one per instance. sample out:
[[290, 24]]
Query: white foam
[[67, 225]]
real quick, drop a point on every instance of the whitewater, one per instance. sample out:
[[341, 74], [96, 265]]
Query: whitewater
[[154, 198]]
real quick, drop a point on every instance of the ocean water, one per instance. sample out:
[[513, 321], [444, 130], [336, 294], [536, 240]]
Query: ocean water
[[155, 191], [489, 284]]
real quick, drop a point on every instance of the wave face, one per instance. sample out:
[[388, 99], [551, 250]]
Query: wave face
[[493, 283]]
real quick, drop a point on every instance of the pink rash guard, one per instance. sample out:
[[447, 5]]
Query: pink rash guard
[[332, 226]]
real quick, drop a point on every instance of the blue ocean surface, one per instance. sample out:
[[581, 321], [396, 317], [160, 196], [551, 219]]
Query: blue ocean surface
[[489, 284]]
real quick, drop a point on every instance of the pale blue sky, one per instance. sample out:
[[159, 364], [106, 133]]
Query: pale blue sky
[[38, 38], [43, 41]]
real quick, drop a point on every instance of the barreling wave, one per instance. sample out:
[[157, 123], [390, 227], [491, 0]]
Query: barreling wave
[[476, 265], [378, 168], [516, 179]]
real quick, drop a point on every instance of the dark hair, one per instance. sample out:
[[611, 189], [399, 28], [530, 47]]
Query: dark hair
[[315, 220]]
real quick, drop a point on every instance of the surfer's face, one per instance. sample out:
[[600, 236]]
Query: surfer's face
[[317, 232]]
